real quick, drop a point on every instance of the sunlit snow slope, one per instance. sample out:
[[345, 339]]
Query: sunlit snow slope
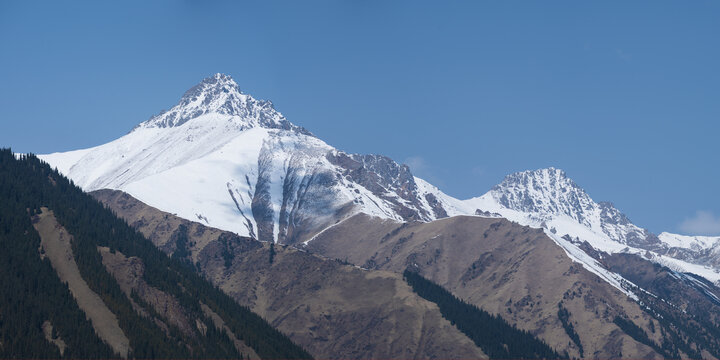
[[233, 162]]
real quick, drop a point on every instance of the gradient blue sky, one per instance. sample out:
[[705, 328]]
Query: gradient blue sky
[[624, 96]]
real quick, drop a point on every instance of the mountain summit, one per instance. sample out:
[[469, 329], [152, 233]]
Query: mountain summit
[[220, 94], [550, 196], [543, 191]]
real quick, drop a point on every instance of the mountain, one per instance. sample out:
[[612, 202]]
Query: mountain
[[522, 275], [332, 308], [549, 199], [335, 309], [219, 94], [339, 310], [233, 162], [536, 250], [78, 282]]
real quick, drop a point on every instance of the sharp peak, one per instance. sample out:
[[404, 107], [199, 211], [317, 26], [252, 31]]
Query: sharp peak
[[219, 79], [528, 178], [548, 171], [220, 76], [220, 94], [213, 85]]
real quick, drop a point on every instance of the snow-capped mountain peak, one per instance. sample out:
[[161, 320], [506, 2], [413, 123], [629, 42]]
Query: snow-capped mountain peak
[[220, 94], [545, 191], [222, 157], [548, 198]]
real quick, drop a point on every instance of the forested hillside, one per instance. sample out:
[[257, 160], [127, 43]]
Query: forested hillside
[[32, 296]]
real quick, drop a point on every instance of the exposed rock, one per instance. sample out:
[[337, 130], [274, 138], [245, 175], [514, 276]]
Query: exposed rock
[[54, 339]]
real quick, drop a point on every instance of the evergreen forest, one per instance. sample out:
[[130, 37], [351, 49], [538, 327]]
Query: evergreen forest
[[31, 292]]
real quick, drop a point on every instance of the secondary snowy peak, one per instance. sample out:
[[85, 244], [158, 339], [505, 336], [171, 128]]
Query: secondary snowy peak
[[220, 94], [550, 192], [549, 198], [544, 192]]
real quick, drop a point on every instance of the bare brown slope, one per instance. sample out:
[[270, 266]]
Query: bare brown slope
[[331, 309], [508, 269], [55, 242]]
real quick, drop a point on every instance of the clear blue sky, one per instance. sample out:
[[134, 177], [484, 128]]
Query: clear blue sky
[[624, 96]]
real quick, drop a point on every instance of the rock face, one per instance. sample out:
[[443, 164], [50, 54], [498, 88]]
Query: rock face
[[548, 194], [220, 94], [704, 250], [389, 181]]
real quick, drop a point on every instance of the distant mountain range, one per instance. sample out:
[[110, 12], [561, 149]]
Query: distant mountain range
[[223, 158], [222, 180]]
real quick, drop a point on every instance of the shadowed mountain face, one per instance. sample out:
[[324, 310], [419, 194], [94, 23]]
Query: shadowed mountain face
[[334, 310]]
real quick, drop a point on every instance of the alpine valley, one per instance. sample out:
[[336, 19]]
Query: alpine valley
[[351, 256]]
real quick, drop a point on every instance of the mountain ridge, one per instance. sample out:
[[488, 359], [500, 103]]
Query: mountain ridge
[[224, 158]]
